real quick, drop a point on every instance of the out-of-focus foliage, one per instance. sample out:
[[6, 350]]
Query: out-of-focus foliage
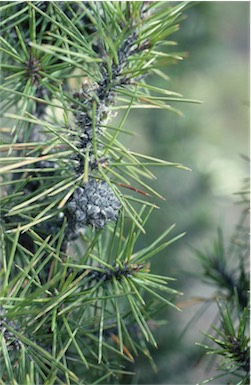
[[232, 344], [210, 140], [227, 270]]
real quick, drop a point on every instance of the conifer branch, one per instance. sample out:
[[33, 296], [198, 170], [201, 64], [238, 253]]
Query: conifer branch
[[73, 302]]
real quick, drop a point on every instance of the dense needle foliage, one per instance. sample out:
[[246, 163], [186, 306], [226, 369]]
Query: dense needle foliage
[[75, 200], [79, 302]]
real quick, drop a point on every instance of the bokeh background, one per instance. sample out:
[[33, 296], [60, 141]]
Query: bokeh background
[[211, 139]]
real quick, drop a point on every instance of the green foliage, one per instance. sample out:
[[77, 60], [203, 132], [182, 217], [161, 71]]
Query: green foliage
[[104, 78], [78, 302], [79, 307], [227, 271], [228, 276], [233, 344]]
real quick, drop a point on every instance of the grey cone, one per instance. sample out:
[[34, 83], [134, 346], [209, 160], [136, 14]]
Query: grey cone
[[93, 204]]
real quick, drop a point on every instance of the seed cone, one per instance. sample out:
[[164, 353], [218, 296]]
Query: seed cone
[[93, 204]]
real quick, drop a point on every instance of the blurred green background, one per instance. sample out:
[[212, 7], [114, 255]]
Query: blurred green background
[[211, 139]]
